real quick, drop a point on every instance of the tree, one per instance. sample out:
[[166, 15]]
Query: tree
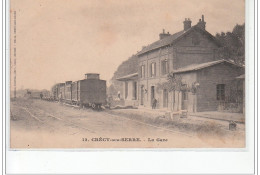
[[127, 67], [233, 44], [112, 90], [173, 83]]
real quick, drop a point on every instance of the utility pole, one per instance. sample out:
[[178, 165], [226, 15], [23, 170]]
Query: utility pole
[[14, 54], [13, 51]]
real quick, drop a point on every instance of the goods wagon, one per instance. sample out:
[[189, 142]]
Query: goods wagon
[[46, 94], [67, 91], [75, 92], [89, 92], [61, 96], [55, 91]]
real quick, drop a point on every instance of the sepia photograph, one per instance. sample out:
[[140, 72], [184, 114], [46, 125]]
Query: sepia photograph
[[127, 74]]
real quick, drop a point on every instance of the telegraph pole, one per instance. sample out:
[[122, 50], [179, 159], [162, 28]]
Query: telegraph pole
[[14, 51]]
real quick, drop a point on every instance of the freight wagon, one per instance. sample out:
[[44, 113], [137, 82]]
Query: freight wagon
[[67, 91], [61, 96], [90, 91], [55, 90]]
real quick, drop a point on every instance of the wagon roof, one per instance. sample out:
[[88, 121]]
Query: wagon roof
[[195, 67]]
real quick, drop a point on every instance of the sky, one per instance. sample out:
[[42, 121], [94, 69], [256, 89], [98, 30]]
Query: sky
[[61, 40]]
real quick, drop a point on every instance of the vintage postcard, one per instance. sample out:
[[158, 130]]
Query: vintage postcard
[[127, 74]]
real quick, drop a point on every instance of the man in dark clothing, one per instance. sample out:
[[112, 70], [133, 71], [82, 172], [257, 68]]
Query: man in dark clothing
[[154, 101], [41, 95]]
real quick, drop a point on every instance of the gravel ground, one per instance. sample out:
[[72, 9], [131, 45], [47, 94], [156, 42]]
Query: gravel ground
[[225, 116], [191, 125], [42, 124]]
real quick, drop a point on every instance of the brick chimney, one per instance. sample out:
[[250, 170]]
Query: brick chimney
[[202, 24], [164, 35], [187, 24]]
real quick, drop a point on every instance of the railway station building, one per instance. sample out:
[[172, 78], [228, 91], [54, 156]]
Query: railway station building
[[207, 82], [130, 91]]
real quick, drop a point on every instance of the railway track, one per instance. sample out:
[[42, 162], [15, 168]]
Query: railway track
[[71, 124], [146, 124], [46, 114], [33, 116], [153, 126]]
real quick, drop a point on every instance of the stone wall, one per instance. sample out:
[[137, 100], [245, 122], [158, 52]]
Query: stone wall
[[187, 53], [208, 79]]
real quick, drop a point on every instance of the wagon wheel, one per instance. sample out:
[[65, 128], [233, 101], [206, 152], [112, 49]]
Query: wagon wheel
[[93, 105]]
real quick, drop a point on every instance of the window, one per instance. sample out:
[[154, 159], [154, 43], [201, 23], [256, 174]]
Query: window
[[153, 70], [142, 71], [165, 69], [221, 92]]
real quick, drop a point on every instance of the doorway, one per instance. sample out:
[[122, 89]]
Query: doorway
[[152, 94], [165, 98], [184, 104], [142, 95]]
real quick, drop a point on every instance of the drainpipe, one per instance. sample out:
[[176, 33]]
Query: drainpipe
[[178, 107], [146, 76]]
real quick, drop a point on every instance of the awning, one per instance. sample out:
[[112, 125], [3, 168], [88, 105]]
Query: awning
[[195, 67], [133, 76]]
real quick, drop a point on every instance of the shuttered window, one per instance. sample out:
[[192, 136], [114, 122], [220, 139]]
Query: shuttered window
[[153, 70], [221, 92], [165, 68], [142, 71]]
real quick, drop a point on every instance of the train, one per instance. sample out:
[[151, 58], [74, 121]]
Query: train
[[89, 92]]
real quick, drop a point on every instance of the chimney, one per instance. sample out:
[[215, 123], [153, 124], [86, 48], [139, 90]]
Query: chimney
[[164, 35], [187, 24], [202, 24], [91, 76]]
